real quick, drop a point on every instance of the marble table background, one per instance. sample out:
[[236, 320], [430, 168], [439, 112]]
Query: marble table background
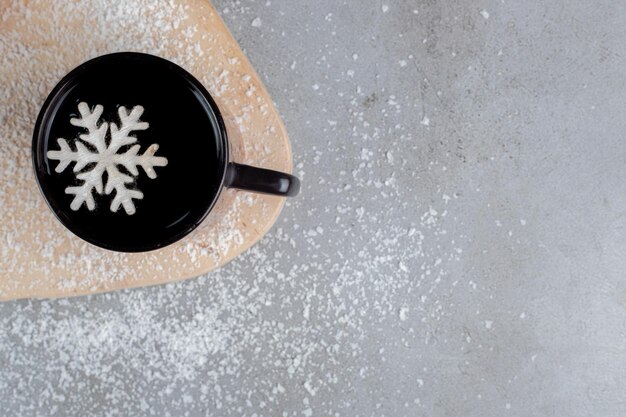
[[458, 249]]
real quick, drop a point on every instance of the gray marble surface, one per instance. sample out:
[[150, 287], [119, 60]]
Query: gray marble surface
[[458, 248]]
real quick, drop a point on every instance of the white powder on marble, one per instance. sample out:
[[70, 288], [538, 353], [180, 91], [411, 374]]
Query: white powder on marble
[[299, 318]]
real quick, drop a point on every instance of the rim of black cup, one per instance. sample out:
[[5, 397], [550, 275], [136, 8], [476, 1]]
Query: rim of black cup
[[48, 109]]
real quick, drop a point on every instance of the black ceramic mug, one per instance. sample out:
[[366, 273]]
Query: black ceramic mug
[[131, 153]]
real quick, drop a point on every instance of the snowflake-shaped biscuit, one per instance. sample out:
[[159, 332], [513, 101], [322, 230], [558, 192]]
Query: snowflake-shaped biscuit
[[97, 157]]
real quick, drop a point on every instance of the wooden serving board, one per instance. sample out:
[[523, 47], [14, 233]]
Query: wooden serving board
[[40, 41]]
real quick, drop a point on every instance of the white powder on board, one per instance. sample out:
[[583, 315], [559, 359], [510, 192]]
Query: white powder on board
[[30, 72]]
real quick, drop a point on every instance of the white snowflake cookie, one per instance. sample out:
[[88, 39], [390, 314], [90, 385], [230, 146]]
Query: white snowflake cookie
[[93, 153]]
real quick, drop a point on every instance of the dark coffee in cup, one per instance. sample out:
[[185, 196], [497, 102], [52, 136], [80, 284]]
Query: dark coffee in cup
[[131, 153]]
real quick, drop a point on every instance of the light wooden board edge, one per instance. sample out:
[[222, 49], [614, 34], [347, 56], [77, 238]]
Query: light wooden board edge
[[203, 14]]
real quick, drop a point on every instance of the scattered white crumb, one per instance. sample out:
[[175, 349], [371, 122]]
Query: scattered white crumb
[[257, 22], [309, 388], [485, 14], [402, 314]]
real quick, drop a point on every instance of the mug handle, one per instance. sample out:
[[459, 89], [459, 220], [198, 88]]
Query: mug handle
[[261, 180]]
